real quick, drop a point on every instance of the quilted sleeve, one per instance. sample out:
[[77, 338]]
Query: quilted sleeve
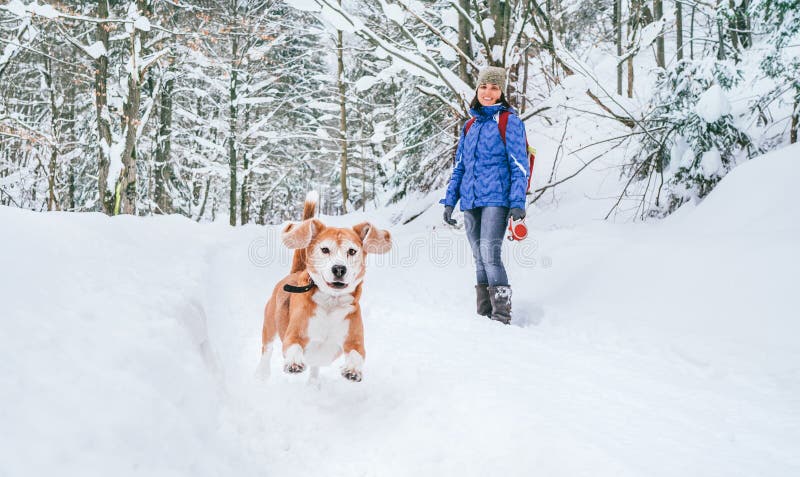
[[517, 152], [458, 173]]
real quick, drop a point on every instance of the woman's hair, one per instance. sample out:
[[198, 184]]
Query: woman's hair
[[475, 104]]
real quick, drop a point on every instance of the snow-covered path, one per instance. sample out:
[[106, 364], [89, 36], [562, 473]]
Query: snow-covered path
[[129, 346]]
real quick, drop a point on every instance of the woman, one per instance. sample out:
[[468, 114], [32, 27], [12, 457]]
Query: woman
[[490, 179]]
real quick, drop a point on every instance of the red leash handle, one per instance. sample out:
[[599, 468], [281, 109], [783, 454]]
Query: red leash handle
[[517, 229]]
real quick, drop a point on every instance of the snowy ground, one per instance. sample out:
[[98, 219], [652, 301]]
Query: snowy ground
[[658, 349]]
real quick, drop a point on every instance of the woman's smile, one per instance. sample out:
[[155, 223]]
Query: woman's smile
[[488, 94]]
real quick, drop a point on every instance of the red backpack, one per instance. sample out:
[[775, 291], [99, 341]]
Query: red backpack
[[502, 123]]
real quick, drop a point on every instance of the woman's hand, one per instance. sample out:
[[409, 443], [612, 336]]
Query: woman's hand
[[517, 214], [448, 215]]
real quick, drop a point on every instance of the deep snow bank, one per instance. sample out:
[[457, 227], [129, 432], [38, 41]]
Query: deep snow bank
[[106, 368], [711, 281], [758, 196]]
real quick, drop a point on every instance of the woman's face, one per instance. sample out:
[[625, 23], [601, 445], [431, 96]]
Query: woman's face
[[488, 94]]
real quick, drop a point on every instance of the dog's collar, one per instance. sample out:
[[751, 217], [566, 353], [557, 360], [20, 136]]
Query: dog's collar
[[295, 289]]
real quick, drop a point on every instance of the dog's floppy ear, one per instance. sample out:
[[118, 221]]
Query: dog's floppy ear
[[374, 240], [300, 235]]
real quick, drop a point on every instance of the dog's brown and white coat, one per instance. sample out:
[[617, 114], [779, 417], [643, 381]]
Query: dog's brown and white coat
[[317, 326]]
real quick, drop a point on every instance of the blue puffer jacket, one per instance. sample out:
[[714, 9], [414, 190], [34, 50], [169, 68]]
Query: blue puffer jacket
[[488, 172]]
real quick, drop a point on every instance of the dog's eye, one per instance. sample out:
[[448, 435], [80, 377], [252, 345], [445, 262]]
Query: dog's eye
[[326, 250], [352, 252]]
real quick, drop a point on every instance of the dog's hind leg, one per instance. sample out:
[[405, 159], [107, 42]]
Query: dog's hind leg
[[268, 334], [269, 329], [263, 370]]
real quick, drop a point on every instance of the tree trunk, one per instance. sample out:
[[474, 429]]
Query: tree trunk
[[52, 200], [163, 170], [658, 13], [68, 201], [71, 189], [498, 13], [721, 36], [363, 174], [52, 169], [105, 198], [512, 92], [202, 210], [525, 81], [262, 211], [633, 26], [244, 206], [740, 25], [691, 32], [745, 23], [342, 115], [618, 40], [126, 188], [732, 26], [795, 120], [679, 28], [126, 185], [395, 122], [234, 112], [465, 45]]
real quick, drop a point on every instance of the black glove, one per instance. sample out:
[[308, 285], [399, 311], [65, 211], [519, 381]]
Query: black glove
[[517, 214], [448, 215]]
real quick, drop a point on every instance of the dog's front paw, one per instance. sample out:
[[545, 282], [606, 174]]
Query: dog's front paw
[[353, 362], [352, 374], [293, 360], [294, 368]]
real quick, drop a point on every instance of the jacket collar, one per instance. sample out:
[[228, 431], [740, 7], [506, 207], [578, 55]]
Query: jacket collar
[[488, 112]]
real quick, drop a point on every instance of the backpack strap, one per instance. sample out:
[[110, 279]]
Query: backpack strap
[[468, 125], [502, 124], [466, 130]]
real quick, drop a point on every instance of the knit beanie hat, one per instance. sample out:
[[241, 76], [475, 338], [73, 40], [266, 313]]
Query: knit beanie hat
[[493, 74]]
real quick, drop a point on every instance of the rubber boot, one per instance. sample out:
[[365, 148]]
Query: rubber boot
[[501, 303], [484, 303]]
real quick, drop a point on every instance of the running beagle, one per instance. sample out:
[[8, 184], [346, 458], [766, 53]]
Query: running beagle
[[314, 310]]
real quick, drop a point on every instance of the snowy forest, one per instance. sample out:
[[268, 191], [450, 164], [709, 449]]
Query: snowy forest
[[232, 110]]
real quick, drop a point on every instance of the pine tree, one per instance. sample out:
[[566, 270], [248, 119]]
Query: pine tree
[[692, 140]]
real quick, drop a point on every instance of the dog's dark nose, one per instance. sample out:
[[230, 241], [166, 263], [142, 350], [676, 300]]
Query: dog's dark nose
[[339, 270]]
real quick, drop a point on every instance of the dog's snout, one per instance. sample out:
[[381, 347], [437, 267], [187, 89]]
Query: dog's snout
[[339, 270]]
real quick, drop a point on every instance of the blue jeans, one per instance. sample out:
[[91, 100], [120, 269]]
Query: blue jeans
[[486, 227]]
